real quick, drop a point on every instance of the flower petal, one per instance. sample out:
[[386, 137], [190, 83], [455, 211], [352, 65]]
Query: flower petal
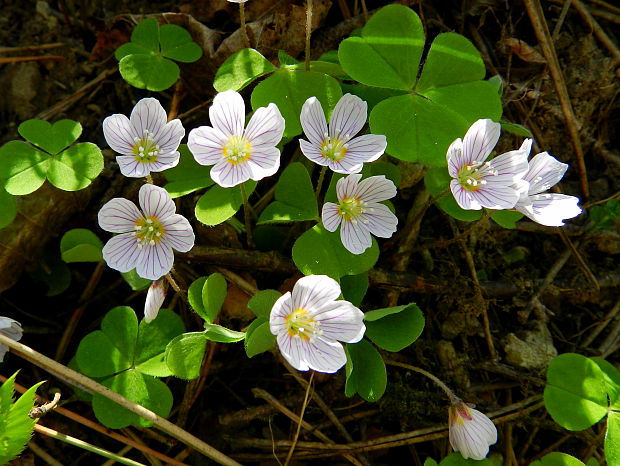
[[206, 144], [228, 113], [313, 121], [480, 140], [227, 174], [169, 136], [375, 189], [342, 321], [366, 148], [380, 221], [264, 162], [281, 309], [314, 291], [154, 261], [508, 167], [355, 238], [330, 217], [265, 127], [550, 209], [463, 197], [472, 436], [164, 162], [313, 152], [131, 167], [11, 328], [347, 186], [179, 233], [346, 166], [496, 196], [154, 299], [455, 158], [291, 349], [348, 117], [148, 115], [544, 171], [119, 215], [156, 202], [119, 134], [323, 355], [121, 252]]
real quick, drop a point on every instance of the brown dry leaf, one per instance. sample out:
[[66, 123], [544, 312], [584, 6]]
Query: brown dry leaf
[[524, 51]]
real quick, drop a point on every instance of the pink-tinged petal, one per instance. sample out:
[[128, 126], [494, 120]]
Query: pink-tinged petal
[[148, 115], [550, 209], [544, 171], [228, 113], [340, 320], [169, 136], [464, 198], [131, 167], [119, 216], [323, 355], [313, 121], [227, 174], [380, 221], [179, 233], [314, 291], [164, 162], [471, 432], [206, 144], [121, 252], [119, 133], [291, 349], [375, 189], [480, 140], [455, 158], [330, 216], [279, 312], [496, 196], [313, 152], [156, 202], [347, 186], [264, 162], [154, 299], [366, 148], [348, 117], [355, 238], [265, 127], [154, 261]]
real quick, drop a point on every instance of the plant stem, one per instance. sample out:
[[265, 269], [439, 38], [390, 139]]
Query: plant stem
[[244, 32], [301, 417], [308, 32], [319, 183], [246, 215], [149, 179], [450, 394]]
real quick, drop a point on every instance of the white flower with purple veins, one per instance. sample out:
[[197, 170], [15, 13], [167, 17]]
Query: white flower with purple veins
[[477, 183], [12, 329], [146, 238], [359, 213], [238, 154], [309, 324], [147, 141], [154, 299], [470, 431], [545, 208], [335, 146]]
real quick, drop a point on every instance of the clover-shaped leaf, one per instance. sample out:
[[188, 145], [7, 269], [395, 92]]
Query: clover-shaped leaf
[[219, 204], [240, 69], [365, 370], [9, 208], [188, 176], [206, 296], [394, 328], [81, 245]]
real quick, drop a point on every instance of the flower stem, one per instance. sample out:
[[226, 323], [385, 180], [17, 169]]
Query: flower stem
[[149, 179], [244, 32], [319, 183], [301, 417], [246, 214], [308, 32], [449, 393]]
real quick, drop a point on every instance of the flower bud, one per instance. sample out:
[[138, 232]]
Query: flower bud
[[470, 431]]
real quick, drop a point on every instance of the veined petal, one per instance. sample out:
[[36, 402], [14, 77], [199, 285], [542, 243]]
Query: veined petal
[[228, 113], [330, 217], [227, 174], [121, 252], [348, 117], [291, 349], [313, 152], [169, 136], [347, 186], [375, 189], [179, 233], [280, 310], [455, 157], [119, 215], [496, 196], [471, 432], [550, 209], [463, 197], [367, 147], [314, 291], [131, 167], [544, 171], [119, 133], [313, 121], [154, 261], [355, 238], [323, 355], [346, 166], [266, 126], [480, 140], [206, 144], [148, 115], [506, 168], [264, 162], [154, 299], [340, 320], [164, 162], [380, 221], [156, 202]]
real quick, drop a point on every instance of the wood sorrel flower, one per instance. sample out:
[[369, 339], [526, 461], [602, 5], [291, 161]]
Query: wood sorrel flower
[[478, 183], [238, 154], [154, 299], [336, 147], [147, 239], [309, 323], [359, 213], [12, 329], [546, 208], [148, 143], [470, 431]]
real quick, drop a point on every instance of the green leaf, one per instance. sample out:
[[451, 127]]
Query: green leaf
[[22, 167], [98, 357], [456, 459], [612, 438], [558, 459], [9, 208], [295, 198], [53, 272], [506, 218], [354, 287], [387, 169], [194, 295], [131, 48], [76, 167], [516, 129], [221, 334], [605, 216], [188, 176], [320, 252], [152, 340], [135, 281], [289, 90], [262, 302], [240, 69], [387, 53], [258, 337], [184, 355], [52, 138], [176, 43], [366, 372], [150, 72], [372, 95], [437, 181], [575, 395], [146, 35], [611, 377], [395, 328], [80, 245], [213, 294], [430, 462], [219, 204]]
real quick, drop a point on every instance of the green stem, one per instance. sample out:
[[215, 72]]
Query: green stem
[[246, 217], [319, 183], [244, 32], [308, 32]]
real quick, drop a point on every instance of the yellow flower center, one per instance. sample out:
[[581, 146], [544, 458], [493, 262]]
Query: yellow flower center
[[334, 149], [350, 208], [471, 177], [237, 149], [148, 231], [145, 150], [300, 324]]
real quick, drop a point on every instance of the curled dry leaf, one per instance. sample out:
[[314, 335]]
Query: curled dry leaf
[[523, 50]]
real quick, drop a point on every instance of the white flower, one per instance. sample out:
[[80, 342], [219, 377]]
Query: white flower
[[359, 213], [336, 147], [309, 323], [154, 299], [146, 240], [238, 154], [477, 183], [148, 143], [12, 329], [546, 209], [470, 431]]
